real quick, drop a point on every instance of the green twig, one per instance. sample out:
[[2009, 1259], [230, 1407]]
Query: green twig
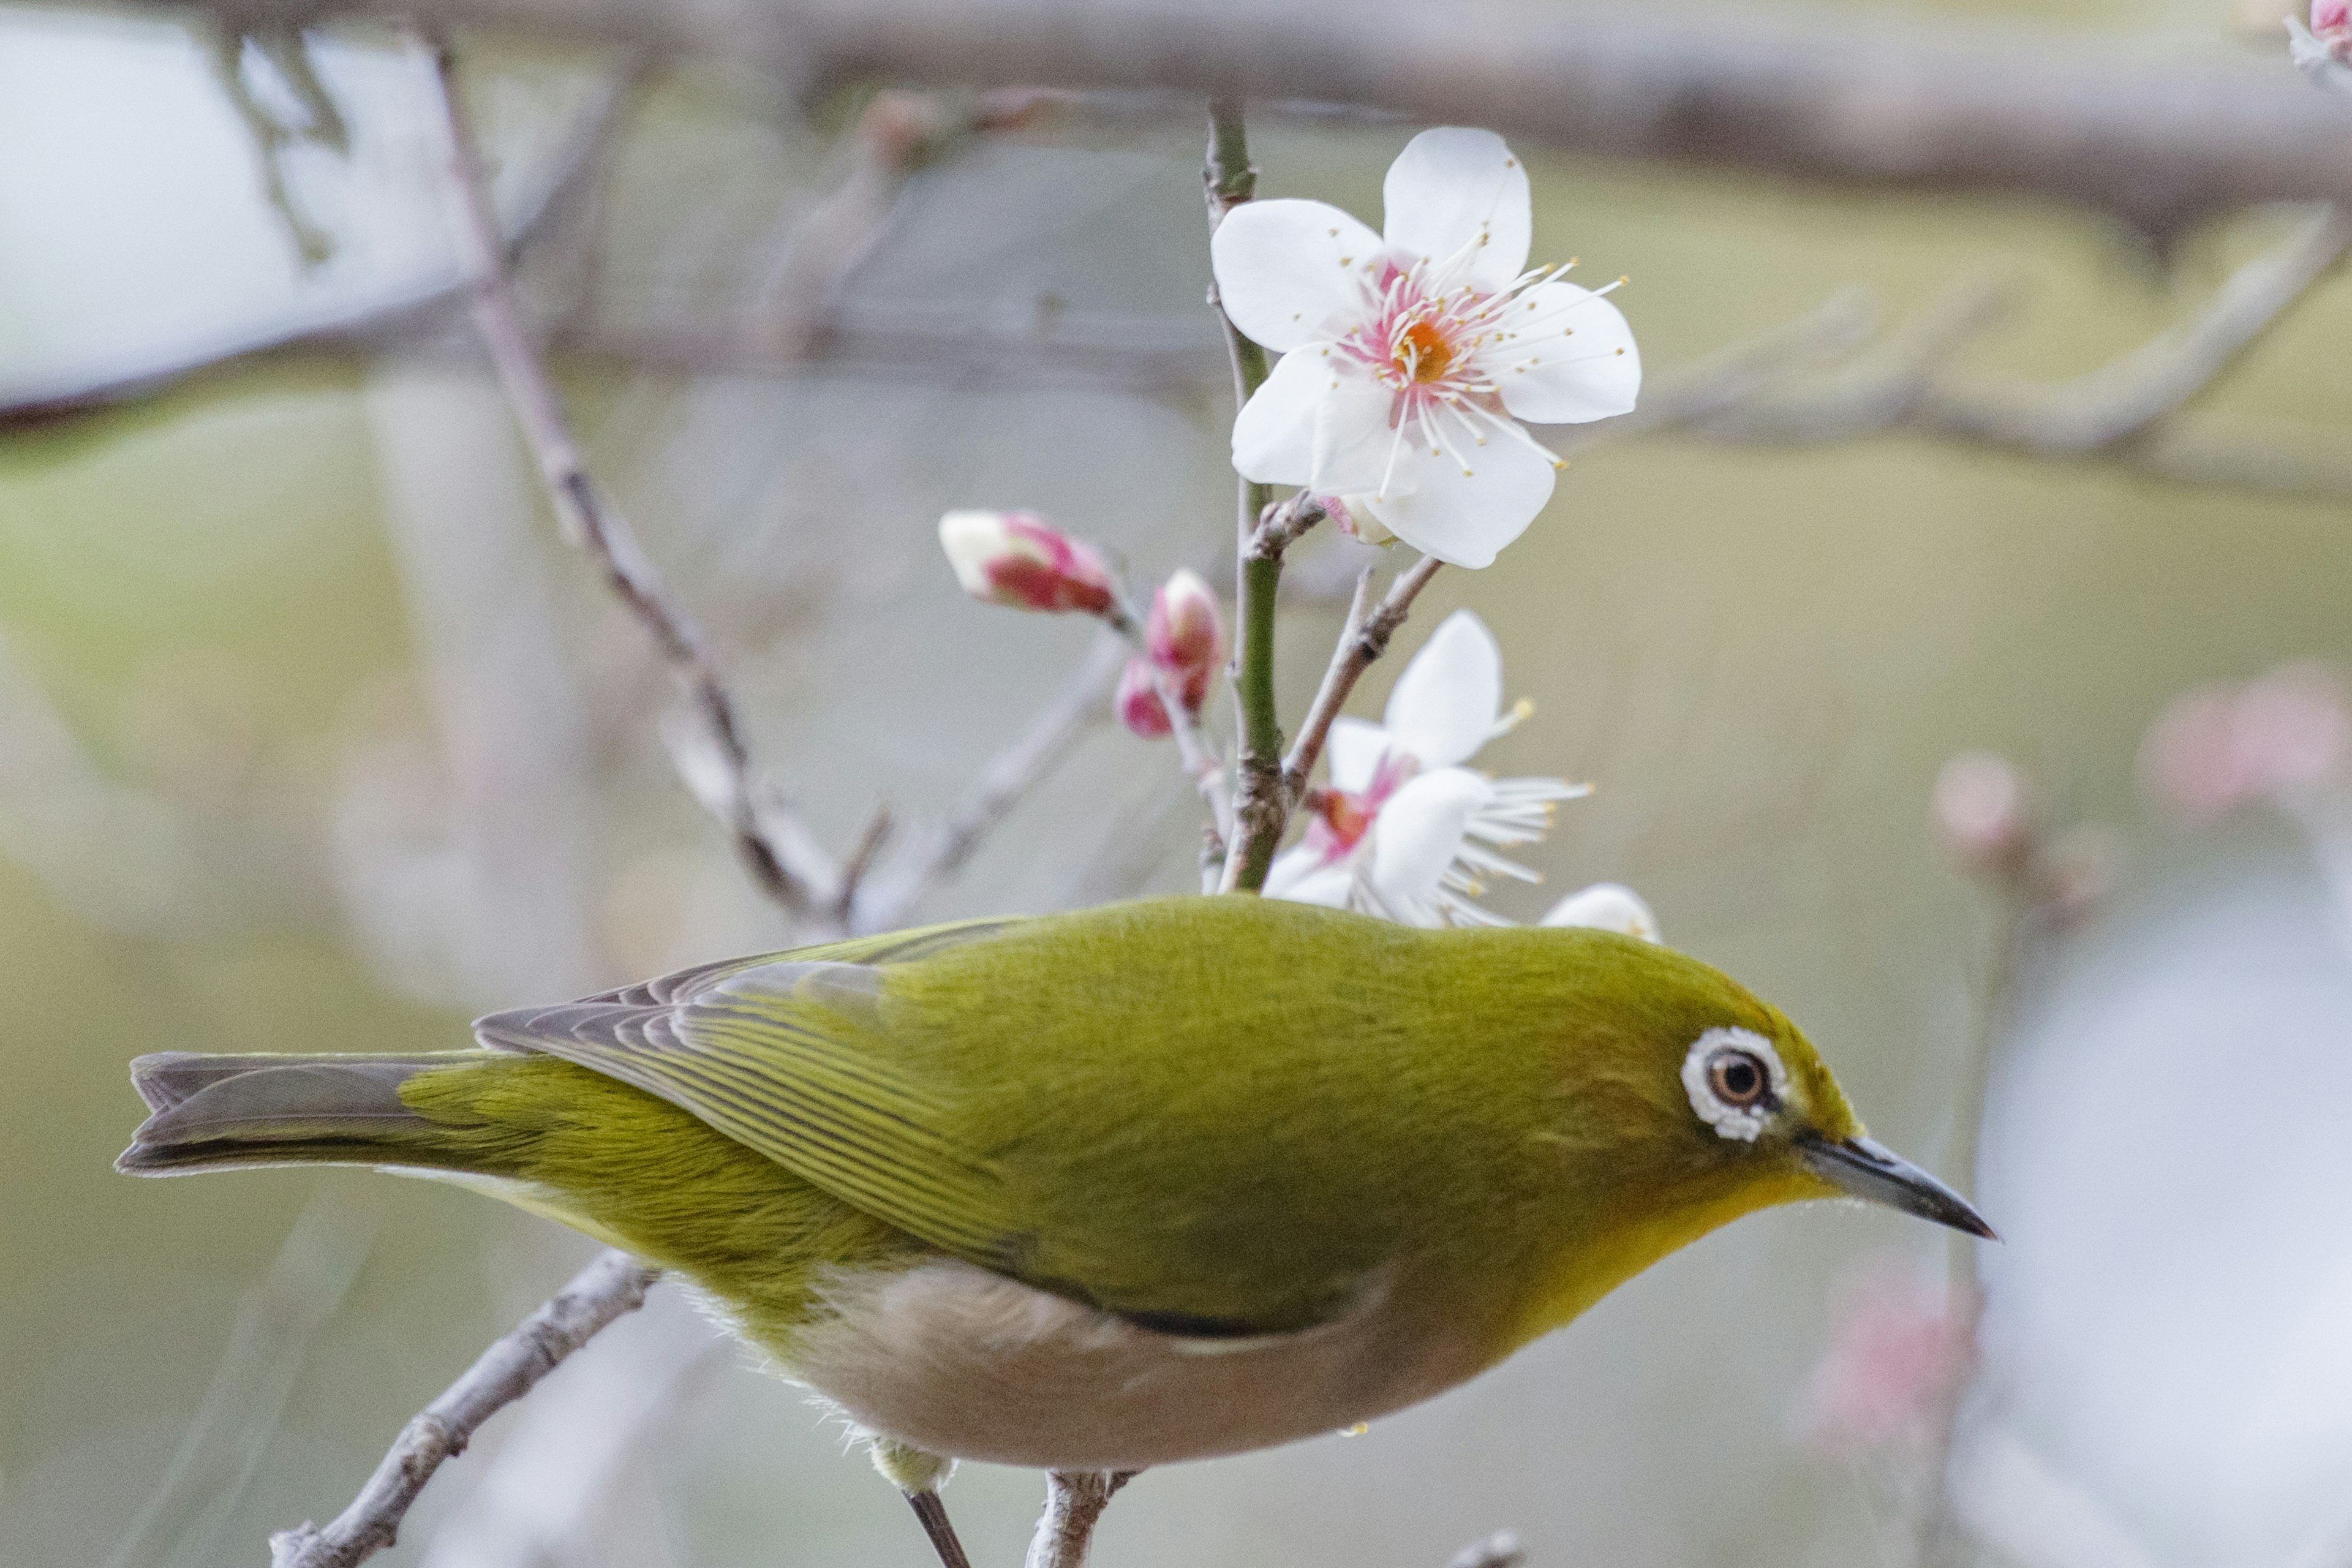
[[1261, 804], [1259, 813]]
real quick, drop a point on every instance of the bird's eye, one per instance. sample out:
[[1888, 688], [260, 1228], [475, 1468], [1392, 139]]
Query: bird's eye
[[1737, 1079]]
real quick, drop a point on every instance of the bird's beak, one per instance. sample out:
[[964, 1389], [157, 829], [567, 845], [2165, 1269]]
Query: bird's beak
[[1877, 1174]]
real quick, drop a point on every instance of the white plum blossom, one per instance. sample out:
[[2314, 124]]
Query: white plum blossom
[[1411, 357], [1403, 830]]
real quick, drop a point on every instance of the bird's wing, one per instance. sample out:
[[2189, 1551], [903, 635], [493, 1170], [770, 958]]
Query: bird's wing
[[1061, 1100], [776, 1052]]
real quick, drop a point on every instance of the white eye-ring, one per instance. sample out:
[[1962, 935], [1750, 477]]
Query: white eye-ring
[[1735, 1082]]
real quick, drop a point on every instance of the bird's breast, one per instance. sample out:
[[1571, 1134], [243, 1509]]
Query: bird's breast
[[957, 1360]]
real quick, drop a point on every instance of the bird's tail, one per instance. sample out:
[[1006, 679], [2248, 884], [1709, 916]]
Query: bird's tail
[[216, 1113]]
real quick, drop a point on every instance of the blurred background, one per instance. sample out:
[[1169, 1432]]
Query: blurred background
[[314, 734]]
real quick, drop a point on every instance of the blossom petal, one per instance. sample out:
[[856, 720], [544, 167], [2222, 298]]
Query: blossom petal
[[1419, 833], [1456, 193], [1274, 434], [1570, 357], [1606, 905], [1300, 875], [1290, 272], [1353, 440], [1463, 519], [1445, 704], [1355, 747]]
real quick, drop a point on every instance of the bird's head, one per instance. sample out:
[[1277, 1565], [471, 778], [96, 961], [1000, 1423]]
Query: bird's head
[[1681, 1102]]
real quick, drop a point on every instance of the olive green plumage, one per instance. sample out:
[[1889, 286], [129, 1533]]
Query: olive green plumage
[[1215, 1119]]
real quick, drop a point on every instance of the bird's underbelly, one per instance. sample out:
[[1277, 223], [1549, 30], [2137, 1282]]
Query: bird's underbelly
[[962, 1361]]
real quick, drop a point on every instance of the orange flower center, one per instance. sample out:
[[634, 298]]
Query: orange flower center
[[1425, 352]]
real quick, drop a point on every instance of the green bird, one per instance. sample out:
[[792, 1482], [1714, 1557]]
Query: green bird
[[1105, 1190]]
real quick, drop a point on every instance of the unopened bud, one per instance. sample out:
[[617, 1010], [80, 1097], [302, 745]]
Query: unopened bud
[[1983, 811], [2331, 19], [1183, 635], [1605, 906], [1015, 558], [1137, 703]]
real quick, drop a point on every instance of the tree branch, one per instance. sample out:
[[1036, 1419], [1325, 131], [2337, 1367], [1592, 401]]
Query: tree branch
[[1894, 103], [785, 864], [1229, 179], [2127, 407], [1363, 638], [1261, 806], [1075, 1500], [613, 1284]]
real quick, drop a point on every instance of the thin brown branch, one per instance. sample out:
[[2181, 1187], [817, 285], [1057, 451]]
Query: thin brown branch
[[2130, 409], [1362, 640], [860, 860], [1896, 103], [1075, 1500], [941, 850], [613, 1285], [1338, 679], [2123, 399], [789, 870]]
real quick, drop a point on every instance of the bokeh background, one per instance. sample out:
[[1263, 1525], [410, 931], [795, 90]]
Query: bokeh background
[[314, 735]]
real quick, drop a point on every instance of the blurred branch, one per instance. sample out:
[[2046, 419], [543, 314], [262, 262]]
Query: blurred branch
[[276, 1326], [782, 859], [2130, 409], [1075, 1500], [1903, 102], [887, 898], [614, 1284], [895, 137], [288, 53], [582, 153]]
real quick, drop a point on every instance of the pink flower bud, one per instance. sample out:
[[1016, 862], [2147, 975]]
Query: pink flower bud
[[1983, 811], [2331, 18], [1183, 635], [1014, 558], [1138, 703]]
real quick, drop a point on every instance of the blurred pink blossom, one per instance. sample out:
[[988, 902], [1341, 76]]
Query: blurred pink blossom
[[2280, 738], [1983, 811], [2331, 20], [1899, 1353]]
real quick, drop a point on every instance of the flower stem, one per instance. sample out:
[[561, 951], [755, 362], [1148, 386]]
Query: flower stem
[[1258, 807], [1261, 804]]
